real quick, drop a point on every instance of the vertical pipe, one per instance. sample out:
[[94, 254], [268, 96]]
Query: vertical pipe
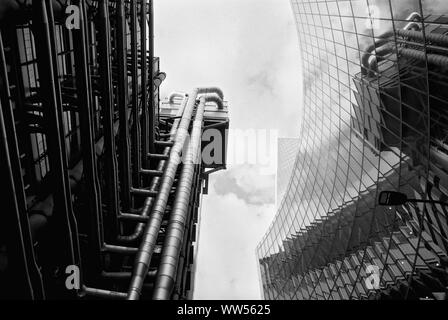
[[125, 167], [107, 109], [151, 104], [146, 249], [136, 139], [63, 226], [147, 144], [179, 216], [27, 280], [83, 87], [156, 180]]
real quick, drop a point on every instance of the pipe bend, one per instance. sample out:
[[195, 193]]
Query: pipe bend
[[414, 15], [177, 94], [384, 38], [208, 90], [214, 97]]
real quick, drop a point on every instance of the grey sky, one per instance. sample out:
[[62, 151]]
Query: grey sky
[[248, 48]]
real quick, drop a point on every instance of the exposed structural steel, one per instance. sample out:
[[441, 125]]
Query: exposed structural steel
[[375, 119], [100, 176], [143, 259]]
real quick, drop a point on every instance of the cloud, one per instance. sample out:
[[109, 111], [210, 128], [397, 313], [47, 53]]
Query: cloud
[[250, 49], [230, 44], [247, 184], [227, 267]]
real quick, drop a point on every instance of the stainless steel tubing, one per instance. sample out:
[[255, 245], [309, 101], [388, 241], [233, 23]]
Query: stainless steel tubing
[[151, 231], [367, 68], [100, 293], [418, 35], [107, 108], [124, 155], [146, 249], [136, 143], [175, 233], [434, 59], [154, 182]]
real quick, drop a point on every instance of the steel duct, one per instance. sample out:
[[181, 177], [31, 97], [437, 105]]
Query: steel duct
[[175, 233], [367, 67], [434, 59], [438, 38], [156, 180], [146, 249], [175, 95]]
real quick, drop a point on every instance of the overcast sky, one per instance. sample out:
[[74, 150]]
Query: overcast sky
[[248, 48]]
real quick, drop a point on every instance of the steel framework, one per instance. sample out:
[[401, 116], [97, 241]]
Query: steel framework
[[91, 165]]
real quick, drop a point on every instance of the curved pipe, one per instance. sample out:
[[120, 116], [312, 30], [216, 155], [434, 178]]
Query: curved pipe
[[213, 97], [176, 94], [412, 17], [152, 228], [174, 238], [366, 66], [211, 90], [369, 67]]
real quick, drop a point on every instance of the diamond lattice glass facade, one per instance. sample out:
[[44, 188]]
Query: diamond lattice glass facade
[[375, 101], [286, 155]]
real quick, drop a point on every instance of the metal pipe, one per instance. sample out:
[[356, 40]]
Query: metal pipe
[[64, 223], [126, 275], [107, 109], [411, 18], [83, 87], [365, 65], [155, 181], [438, 38], [134, 217], [160, 156], [434, 59], [125, 161], [214, 97], [119, 249], [162, 75], [211, 90], [157, 173], [144, 192], [176, 94], [151, 232], [368, 68], [100, 293], [178, 219], [15, 224], [136, 151], [147, 145]]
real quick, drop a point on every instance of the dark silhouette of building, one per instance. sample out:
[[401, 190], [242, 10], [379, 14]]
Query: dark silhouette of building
[[375, 119], [91, 174]]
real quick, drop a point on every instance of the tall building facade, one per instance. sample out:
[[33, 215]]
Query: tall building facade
[[287, 149], [101, 184], [375, 91]]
